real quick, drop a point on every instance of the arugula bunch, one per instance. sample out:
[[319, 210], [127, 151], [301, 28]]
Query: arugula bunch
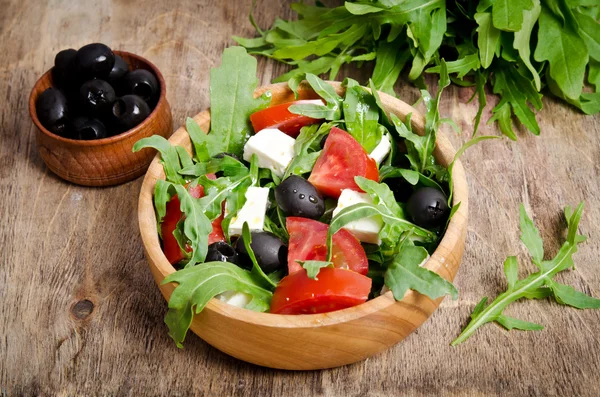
[[517, 47], [538, 285]]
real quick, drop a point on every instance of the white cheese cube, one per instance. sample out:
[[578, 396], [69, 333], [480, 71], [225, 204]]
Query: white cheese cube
[[366, 229], [274, 149], [234, 298], [253, 211], [382, 150]]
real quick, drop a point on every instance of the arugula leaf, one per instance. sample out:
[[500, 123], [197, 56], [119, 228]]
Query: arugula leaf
[[232, 102], [406, 273], [162, 195], [508, 14], [168, 153], [389, 63], [523, 37], [256, 270], [198, 284], [306, 153], [565, 52], [196, 225], [488, 38], [361, 116], [313, 267], [537, 285]]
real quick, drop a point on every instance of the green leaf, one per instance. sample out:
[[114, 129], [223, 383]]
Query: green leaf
[[461, 66], [257, 272], [162, 195], [514, 323], [312, 267], [508, 14], [361, 115], [168, 153], [196, 226], [502, 114], [530, 236], [523, 39], [406, 273], [589, 30], [532, 287], [479, 307], [566, 295], [488, 38], [361, 9], [325, 91], [565, 52], [511, 270], [389, 63], [480, 82], [198, 284], [305, 153], [314, 111], [199, 140], [232, 101]]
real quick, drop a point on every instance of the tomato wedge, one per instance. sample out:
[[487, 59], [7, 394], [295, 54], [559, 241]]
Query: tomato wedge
[[333, 289], [308, 241], [280, 117], [173, 215], [341, 160]]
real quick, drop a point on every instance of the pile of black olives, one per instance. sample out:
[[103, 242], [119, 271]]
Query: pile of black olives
[[95, 95]]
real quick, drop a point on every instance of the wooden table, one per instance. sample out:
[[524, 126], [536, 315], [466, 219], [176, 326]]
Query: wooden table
[[81, 315]]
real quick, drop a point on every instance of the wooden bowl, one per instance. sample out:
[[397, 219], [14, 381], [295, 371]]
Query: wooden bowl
[[315, 341], [107, 161]]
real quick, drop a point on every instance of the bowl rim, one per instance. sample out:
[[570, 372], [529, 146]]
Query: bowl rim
[[437, 262], [111, 139]]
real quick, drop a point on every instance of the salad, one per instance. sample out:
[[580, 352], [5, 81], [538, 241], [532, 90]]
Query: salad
[[303, 207]]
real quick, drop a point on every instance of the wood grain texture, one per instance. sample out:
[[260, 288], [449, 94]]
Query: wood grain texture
[[102, 162], [320, 340], [61, 244]]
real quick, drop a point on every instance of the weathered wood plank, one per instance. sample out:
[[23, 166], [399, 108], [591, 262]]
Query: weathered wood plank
[[62, 244]]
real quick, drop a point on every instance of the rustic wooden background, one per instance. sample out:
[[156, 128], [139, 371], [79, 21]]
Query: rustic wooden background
[[79, 311]]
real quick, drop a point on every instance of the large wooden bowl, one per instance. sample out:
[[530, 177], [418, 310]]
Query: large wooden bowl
[[107, 161], [312, 341]]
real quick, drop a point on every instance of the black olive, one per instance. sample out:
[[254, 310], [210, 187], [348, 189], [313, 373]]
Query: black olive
[[128, 111], [222, 252], [120, 68], [94, 60], [53, 112], [428, 207], [87, 129], [400, 187], [298, 197], [142, 83], [270, 252], [96, 97], [64, 68]]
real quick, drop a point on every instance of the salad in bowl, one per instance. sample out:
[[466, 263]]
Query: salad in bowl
[[305, 210]]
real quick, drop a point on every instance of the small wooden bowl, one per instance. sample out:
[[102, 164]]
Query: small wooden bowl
[[312, 341], [108, 161]]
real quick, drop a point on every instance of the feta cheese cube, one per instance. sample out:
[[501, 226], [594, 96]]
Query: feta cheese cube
[[253, 211], [274, 149], [239, 299], [366, 229], [382, 150]]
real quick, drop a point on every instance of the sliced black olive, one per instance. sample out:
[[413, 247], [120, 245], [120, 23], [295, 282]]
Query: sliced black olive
[[96, 97], [142, 83], [64, 68], [94, 60], [428, 207], [53, 112], [270, 252], [298, 197], [87, 129], [222, 252], [128, 111], [120, 69]]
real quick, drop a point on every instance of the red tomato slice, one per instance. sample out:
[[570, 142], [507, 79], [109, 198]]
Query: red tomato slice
[[333, 289], [308, 241], [173, 215], [341, 160], [280, 117]]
